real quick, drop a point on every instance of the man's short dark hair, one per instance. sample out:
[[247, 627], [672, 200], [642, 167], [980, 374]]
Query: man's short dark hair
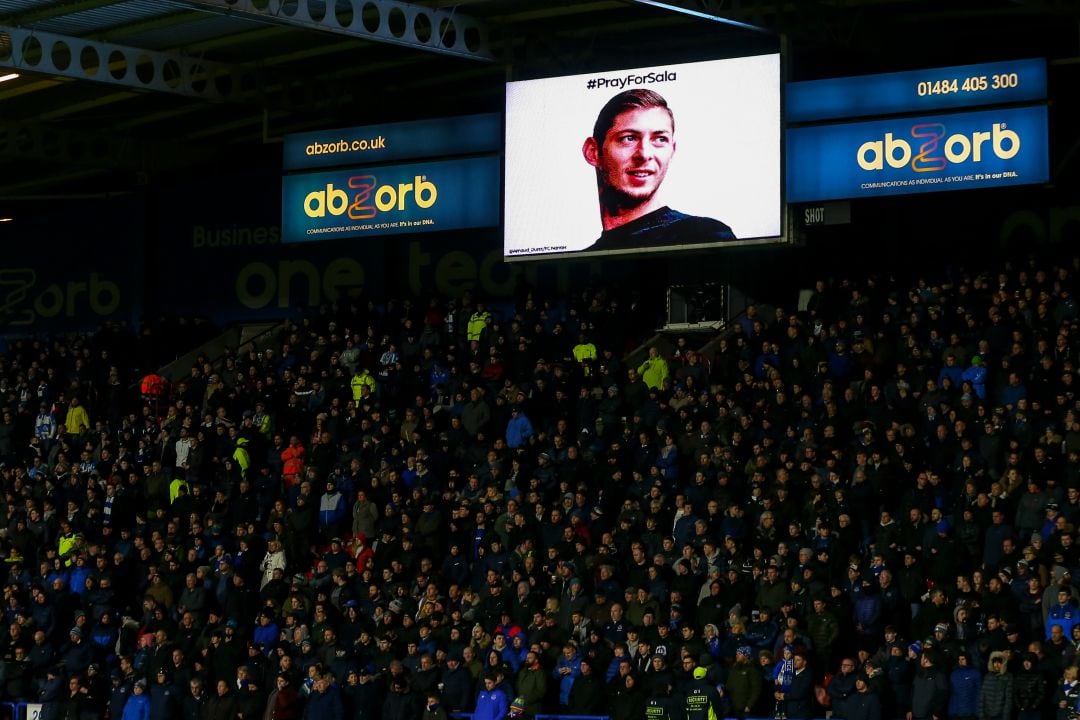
[[638, 99]]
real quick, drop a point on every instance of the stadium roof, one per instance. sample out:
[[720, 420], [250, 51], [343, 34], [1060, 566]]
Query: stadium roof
[[111, 94]]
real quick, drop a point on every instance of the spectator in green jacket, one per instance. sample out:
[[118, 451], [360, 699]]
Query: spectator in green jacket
[[744, 683]]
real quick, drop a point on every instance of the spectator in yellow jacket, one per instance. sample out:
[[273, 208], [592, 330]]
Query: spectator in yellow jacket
[[654, 371], [77, 421]]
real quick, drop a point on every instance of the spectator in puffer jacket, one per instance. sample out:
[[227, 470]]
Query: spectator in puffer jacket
[[1029, 689], [996, 694]]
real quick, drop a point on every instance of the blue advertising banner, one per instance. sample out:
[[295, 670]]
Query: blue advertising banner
[[988, 148], [414, 198], [916, 91], [442, 137]]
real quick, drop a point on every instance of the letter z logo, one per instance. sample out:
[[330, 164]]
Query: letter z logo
[[923, 161], [16, 282], [363, 185]]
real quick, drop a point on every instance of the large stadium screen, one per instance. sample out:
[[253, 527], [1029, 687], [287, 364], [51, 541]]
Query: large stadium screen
[[644, 160]]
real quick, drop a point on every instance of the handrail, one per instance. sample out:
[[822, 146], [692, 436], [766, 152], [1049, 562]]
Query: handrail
[[469, 716]]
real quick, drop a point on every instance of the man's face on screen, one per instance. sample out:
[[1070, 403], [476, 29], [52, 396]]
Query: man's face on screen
[[633, 160]]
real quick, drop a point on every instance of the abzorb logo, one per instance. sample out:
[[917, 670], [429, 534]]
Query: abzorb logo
[[366, 198], [937, 150]]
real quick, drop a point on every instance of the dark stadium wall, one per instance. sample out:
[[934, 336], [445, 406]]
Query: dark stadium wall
[[72, 264]]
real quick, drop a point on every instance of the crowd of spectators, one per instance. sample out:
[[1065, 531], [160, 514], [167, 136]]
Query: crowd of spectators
[[864, 506]]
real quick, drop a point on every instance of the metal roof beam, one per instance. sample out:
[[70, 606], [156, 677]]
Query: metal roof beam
[[42, 13], [28, 50], [446, 32]]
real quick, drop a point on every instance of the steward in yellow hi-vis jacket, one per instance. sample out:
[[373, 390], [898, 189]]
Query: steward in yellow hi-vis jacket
[[477, 323], [68, 544]]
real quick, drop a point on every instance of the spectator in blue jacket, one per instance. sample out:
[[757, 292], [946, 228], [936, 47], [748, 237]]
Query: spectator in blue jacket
[[491, 702], [1065, 613], [519, 429], [137, 706], [976, 375], [964, 683], [567, 669]]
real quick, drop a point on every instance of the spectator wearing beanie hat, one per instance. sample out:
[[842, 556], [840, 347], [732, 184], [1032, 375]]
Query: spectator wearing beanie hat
[[137, 706], [744, 683]]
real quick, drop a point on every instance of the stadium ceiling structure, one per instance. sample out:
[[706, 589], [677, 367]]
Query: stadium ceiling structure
[[102, 96]]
